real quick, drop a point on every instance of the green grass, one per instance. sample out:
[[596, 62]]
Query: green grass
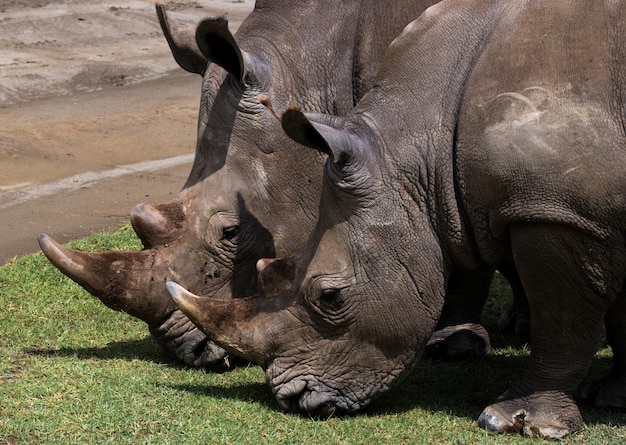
[[73, 371]]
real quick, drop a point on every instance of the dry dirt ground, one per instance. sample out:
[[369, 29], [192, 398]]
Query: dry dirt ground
[[95, 115]]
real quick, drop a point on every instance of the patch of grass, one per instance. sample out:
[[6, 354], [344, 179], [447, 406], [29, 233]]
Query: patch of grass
[[74, 371]]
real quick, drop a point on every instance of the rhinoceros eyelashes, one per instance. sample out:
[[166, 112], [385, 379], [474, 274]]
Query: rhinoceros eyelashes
[[332, 305], [331, 298], [231, 232]]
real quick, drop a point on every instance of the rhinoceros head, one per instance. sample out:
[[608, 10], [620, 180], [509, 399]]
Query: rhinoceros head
[[211, 235], [355, 316]]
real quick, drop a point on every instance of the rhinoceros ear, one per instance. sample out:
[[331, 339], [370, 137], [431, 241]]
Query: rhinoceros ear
[[218, 45], [183, 44], [320, 131]]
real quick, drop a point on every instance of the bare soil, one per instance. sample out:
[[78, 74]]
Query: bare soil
[[87, 86]]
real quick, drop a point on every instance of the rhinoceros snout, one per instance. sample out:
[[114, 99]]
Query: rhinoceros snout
[[319, 408], [318, 403]]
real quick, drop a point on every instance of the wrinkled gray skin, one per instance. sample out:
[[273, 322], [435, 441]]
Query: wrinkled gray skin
[[495, 132], [251, 193]]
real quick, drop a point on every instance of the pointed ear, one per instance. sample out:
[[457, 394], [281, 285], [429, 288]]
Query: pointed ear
[[320, 131], [218, 45], [182, 43]]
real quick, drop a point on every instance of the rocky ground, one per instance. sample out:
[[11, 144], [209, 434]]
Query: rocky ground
[[95, 115]]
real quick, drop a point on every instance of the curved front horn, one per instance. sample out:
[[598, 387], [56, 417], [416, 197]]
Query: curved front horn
[[243, 326], [121, 280]]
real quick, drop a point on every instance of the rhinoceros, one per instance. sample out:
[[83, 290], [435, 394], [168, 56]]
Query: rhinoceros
[[247, 195], [495, 132]]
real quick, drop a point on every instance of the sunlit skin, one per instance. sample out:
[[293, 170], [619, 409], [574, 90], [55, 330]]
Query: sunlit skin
[[494, 133], [247, 197]]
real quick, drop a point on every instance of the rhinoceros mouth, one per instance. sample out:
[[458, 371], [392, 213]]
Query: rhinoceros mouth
[[314, 398], [318, 402], [331, 390]]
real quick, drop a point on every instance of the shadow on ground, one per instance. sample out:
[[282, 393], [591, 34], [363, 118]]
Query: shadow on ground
[[145, 350], [461, 389]]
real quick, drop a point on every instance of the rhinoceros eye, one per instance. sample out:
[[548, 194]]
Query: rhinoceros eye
[[333, 305], [331, 299], [230, 232], [330, 296]]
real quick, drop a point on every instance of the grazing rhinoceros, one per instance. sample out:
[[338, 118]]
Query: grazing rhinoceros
[[247, 195], [495, 132]]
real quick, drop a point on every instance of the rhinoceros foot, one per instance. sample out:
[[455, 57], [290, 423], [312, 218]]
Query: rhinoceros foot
[[190, 345], [547, 414], [460, 342], [515, 320], [609, 392]]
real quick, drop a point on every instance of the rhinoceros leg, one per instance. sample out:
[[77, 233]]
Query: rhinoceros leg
[[571, 279], [459, 334], [516, 318], [610, 392]]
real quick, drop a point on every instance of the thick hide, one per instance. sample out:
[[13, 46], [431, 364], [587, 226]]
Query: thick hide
[[494, 135], [247, 196]]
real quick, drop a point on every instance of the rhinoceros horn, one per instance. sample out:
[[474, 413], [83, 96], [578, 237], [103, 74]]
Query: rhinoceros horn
[[157, 224], [275, 275], [183, 44], [243, 326], [235, 324], [121, 280]]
